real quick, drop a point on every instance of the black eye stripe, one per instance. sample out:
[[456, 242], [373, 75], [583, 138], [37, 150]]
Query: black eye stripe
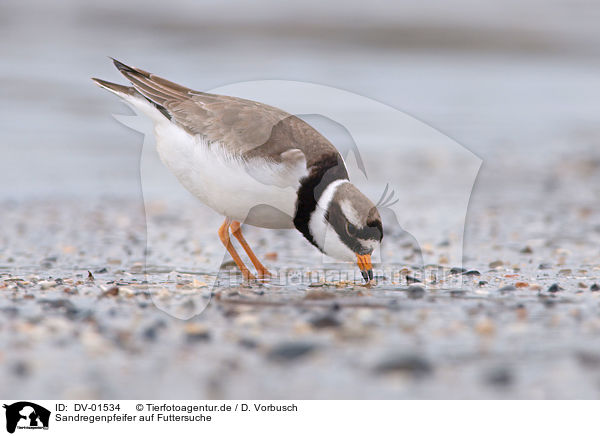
[[369, 232]]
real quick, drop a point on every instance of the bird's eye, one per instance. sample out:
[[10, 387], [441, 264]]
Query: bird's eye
[[351, 229]]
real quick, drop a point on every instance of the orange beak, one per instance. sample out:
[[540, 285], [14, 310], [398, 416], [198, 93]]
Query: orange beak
[[364, 264]]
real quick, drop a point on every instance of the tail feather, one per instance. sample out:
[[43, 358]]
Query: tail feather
[[115, 87], [156, 88], [130, 94], [161, 93]]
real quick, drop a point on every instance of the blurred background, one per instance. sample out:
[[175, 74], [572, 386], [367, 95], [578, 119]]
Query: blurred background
[[516, 82]]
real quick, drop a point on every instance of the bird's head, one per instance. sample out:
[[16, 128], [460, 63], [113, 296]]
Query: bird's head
[[346, 225]]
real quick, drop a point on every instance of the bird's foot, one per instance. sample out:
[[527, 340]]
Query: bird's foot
[[263, 273]]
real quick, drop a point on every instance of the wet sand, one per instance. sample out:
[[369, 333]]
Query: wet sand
[[87, 312], [81, 318]]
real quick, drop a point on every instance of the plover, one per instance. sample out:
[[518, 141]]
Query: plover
[[258, 165]]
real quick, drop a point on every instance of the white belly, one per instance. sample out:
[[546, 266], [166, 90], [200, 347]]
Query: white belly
[[254, 192]]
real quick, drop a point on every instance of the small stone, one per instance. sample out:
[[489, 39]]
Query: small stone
[[46, 284], [482, 283], [415, 292], [554, 288], [565, 272], [595, 287], [113, 291], [500, 377], [521, 285], [195, 332], [496, 264], [150, 333], [248, 343], [90, 277], [526, 250], [457, 270], [21, 369], [545, 266], [507, 288], [535, 287], [588, 359], [411, 364], [472, 272], [582, 285], [271, 255], [326, 320], [290, 351], [101, 271]]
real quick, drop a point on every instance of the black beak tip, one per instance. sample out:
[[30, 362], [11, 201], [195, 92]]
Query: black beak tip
[[367, 275]]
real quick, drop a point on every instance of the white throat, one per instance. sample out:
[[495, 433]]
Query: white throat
[[323, 234]]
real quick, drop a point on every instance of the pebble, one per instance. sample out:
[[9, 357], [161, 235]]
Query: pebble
[[248, 343], [554, 288], [326, 320], [507, 288], [526, 250], [47, 284], [521, 285], [411, 364], [290, 351], [496, 264], [472, 272], [113, 291], [457, 270], [595, 287], [21, 369], [500, 377], [271, 255], [195, 332], [588, 359], [415, 292]]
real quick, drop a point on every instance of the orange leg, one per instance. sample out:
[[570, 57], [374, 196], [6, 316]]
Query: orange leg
[[236, 230], [226, 240]]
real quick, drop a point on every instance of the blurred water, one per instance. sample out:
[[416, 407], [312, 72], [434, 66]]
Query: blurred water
[[521, 93]]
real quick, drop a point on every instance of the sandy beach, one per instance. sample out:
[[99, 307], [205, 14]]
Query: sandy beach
[[107, 292]]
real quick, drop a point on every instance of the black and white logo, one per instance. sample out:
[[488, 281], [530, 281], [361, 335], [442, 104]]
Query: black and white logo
[[27, 416]]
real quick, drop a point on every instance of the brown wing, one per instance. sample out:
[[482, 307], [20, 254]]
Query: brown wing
[[237, 124]]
